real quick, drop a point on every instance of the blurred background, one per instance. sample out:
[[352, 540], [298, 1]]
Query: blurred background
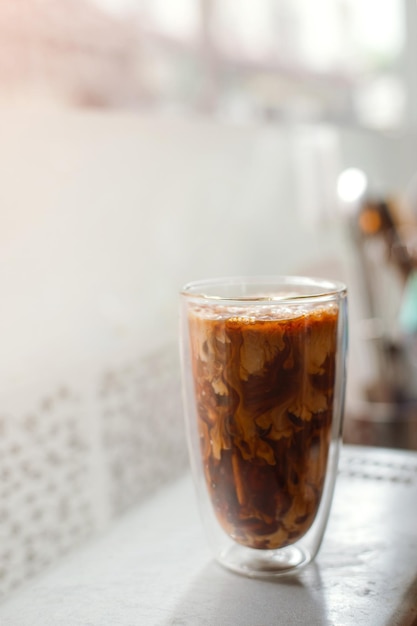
[[144, 144]]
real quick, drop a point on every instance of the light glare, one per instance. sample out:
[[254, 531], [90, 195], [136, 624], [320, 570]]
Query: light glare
[[351, 185]]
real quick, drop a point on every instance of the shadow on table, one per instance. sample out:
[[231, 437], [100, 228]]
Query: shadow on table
[[220, 598]]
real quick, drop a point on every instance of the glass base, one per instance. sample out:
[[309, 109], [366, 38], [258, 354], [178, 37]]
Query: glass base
[[264, 563]]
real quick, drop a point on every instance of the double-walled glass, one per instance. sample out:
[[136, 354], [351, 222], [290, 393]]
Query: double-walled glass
[[264, 369]]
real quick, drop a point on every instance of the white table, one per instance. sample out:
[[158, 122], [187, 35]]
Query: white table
[[153, 565]]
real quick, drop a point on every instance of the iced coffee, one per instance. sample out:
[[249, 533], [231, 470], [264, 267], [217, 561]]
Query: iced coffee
[[264, 383]]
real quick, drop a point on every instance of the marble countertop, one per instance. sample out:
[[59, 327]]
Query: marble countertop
[[153, 566]]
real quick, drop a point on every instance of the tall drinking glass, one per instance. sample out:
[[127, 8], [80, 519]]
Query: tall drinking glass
[[264, 369]]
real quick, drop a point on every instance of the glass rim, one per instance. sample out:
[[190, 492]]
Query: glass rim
[[321, 288]]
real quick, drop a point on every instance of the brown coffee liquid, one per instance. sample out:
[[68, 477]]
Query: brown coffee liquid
[[264, 393]]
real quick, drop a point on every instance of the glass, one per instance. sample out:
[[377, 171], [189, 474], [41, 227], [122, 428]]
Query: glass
[[264, 369]]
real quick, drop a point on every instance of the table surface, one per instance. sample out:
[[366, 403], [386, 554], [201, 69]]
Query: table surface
[[153, 565]]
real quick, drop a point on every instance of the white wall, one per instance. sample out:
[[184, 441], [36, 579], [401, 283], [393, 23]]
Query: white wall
[[104, 216]]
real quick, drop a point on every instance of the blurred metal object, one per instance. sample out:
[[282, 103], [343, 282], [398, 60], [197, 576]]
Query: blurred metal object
[[376, 218], [383, 424], [386, 414]]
